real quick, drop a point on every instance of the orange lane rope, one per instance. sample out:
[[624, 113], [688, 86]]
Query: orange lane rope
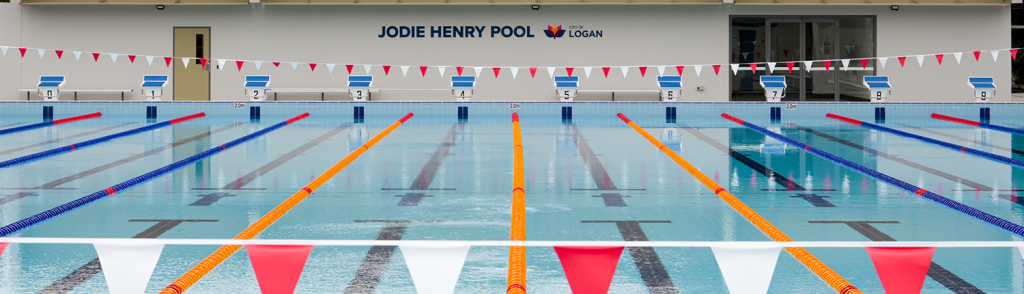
[[826, 273], [517, 254], [197, 272]]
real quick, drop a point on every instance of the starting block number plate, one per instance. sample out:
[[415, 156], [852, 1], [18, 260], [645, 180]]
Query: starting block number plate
[[513, 106], [790, 106], [239, 105]]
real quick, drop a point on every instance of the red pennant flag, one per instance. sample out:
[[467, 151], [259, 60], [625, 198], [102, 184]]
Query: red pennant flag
[[387, 68], [903, 59], [589, 269], [132, 58], [312, 66], [977, 55], [1013, 53], [758, 53], [95, 56], [939, 58], [278, 267], [349, 68], [569, 70], [276, 64], [606, 69], [828, 63], [901, 269], [239, 64], [643, 70], [790, 66], [2, 246], [753, 67], [459, 69], [423, 69], [22, 51], [533, 72], [168, 60], [61, 52], [496, 71], [201, 61], [864, 63], [679, 68], [785, 53], [716, 67]]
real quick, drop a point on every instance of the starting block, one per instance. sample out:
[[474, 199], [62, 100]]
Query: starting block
[[565, 87], [49, 87], [256, 87], [462, 87], [774, 87], [153, 87], [670, 86], [984, 88], [359, 87], [879, 87]]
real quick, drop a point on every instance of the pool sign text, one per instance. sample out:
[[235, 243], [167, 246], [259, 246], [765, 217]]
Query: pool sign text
[[519, 31]]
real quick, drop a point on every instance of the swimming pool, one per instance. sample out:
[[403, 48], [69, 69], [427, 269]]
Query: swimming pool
[[588, 177]]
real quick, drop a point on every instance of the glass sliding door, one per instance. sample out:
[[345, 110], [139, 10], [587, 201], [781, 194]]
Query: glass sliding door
[[819, 45], [747, 45], [784, 47], [858, 42]]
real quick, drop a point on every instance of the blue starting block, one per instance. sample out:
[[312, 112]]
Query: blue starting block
[[359, 87], [984, 88], [774, 87], [49, 87], [462, 87], [256, 87], [565, 87], [670, 86], [879, 87], [153, 86]]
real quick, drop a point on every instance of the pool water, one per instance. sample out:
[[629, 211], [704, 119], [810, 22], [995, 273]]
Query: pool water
[[443, 179]]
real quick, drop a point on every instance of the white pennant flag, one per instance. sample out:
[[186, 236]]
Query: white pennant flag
[[185, 60], [920, 60], [745, 55], [220, 62], [661, 70], [150, 60], [995, 55], [77, 55], [258, 64], [435, 269], [882, 60], [4, 49], [747, 270], [478, 69], [551, 72], [441, 69], [808, 64], [405, 70], [587, 71], [367, 68], [330, 68], [625, 70], [127, 268], [771, 67], [697, 69], [958, 55], [514, 71], [113, 57], [845, 62], [735, 68], [295, 65], [41, 52]]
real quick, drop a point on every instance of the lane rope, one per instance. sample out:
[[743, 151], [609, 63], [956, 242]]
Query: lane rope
[[977, 124], [517, 254], [50, 123]]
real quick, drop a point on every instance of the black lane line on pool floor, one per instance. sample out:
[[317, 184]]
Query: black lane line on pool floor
[[377, 259], [1014, 151], [429, 170], [976, 185], [652, 270], [91, 269], [817, 201], [12, 197], [597, 171], [63, 139], [940, 274], [52, 185], [266, 168]]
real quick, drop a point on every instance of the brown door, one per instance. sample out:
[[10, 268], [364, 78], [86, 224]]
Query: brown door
[[191, 83]]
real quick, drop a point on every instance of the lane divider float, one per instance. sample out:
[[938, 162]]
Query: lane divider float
[[74, 204], [977, 124], [517, 254], [819, 268], [88, 143], [964, 149], [50, 123], [971, 211], [200, 270]]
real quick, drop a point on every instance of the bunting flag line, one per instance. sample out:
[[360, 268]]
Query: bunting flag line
[[747, 270], [771, 67], [920, 60], [295, 65], [496, 71], [902, 59], [790, 66], [680, 68], [807, 65], [387, 69], [185, 60], [95, 56], [260, 63], [168, 61], [977, 55], [958, 55], [312, 66], [901, 269], [551, 72], [697, 69], [405, 69], [278, 267], [661, 70], [938, 57], [828, 64], [643, 71], [533, 72], [330, 68], [735, 68], [348, 67], [458, 70], [605, 70], [478, 70], [220, 63], [569, 71], [587, 71], [717, 67], [78, 55], [127, 268], [41, 52], [423, 71], [846, 63], [515, 70], [589, 269], [60, 53], [441, 69], [435, 269], [625, 70], [995, 55], [130, 57], [882, 60], [113, 58], [367, 68], [239, 64]]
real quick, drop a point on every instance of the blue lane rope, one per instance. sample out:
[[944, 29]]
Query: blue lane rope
[[971, 211], [77, 203], [50, 123]]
